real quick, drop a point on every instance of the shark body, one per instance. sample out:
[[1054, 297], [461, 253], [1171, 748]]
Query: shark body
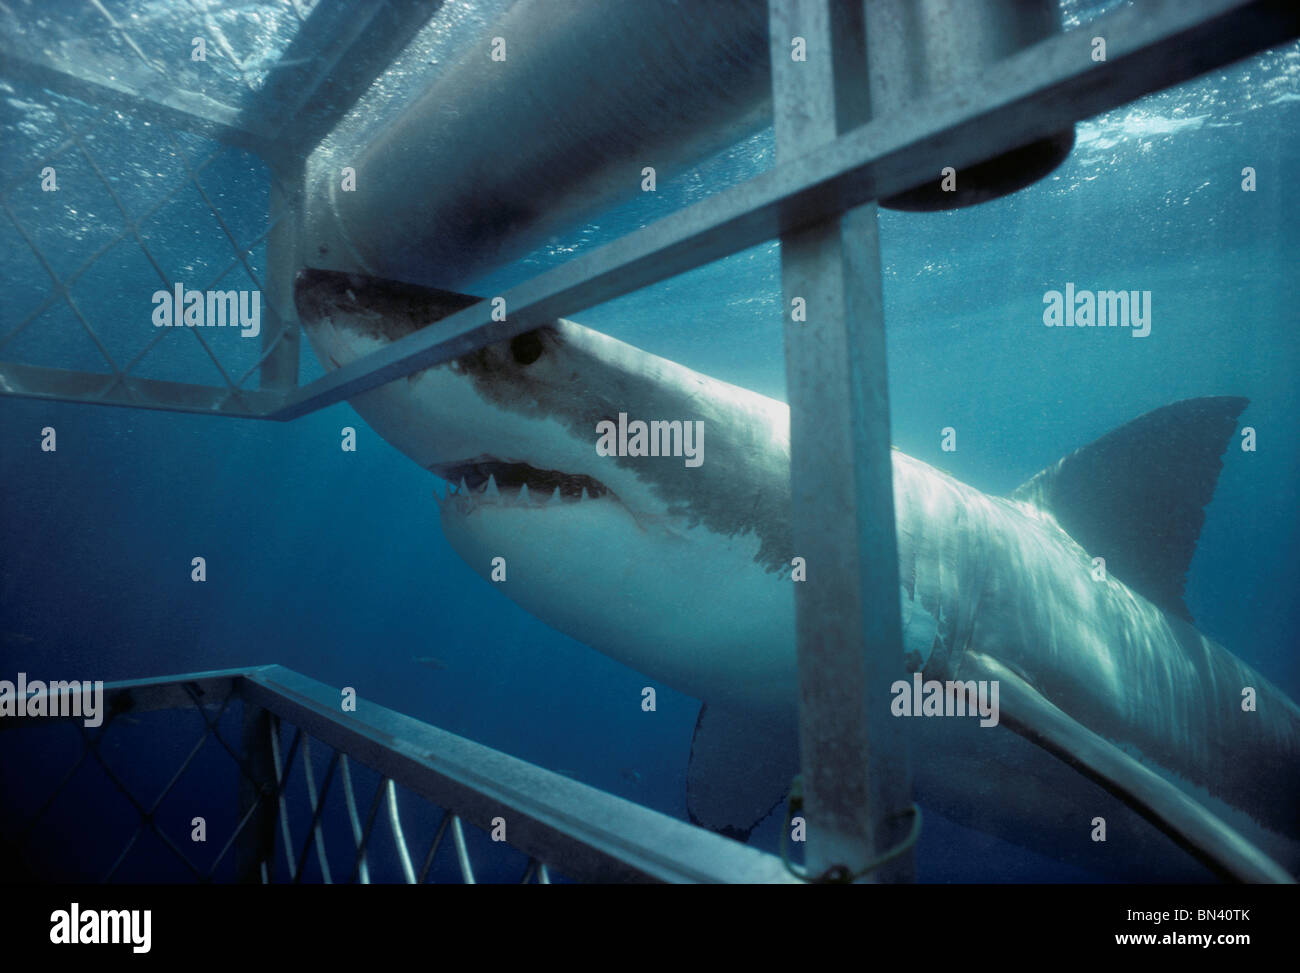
[[685, 575]]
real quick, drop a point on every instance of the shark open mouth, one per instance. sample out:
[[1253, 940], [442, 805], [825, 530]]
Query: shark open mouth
[[481, 476]]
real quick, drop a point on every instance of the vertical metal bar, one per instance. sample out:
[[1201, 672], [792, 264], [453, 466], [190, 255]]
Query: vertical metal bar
[[363, 867], [256, 842], [399, 838], [462, 850], [280, 368], [317, 835], [536, 873], [857, 778], [364, 840], [282, 769]]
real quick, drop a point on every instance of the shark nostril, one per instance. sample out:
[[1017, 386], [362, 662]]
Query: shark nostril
[[526, 348]]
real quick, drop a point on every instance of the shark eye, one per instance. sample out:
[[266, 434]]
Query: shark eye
[[526, 348]]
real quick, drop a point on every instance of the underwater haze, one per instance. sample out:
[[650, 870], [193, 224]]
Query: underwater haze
[[334, 564]]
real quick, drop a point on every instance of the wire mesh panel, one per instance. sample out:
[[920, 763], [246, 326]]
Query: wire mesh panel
[[335, 820], [121, 802], [150, 143], [342, 822], [384, 799], [147, 46], [106, 211]]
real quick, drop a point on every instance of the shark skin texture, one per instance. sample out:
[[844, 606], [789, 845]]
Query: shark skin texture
[[1114, 707]]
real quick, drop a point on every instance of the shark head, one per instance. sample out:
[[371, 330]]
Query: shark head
[[549, 471]]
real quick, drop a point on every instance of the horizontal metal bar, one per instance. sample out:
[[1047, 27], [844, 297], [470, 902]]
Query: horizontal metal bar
[[582, 831], [144, 695], [1031, 95], [87, 388], [131, 88]]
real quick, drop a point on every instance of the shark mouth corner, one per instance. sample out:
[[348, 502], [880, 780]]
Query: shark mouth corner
[[489, 477]]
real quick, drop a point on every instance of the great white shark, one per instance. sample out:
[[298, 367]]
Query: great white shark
[[1114, 706]]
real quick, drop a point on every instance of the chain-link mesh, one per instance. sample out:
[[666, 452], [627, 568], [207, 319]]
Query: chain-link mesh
[[329, 819], [243, 43], [111, 211]]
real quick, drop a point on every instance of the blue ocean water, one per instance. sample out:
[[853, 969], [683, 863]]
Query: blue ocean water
[[333, 563]]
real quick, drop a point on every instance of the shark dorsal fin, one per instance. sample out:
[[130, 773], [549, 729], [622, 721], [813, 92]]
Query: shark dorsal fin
[[1137, 495]]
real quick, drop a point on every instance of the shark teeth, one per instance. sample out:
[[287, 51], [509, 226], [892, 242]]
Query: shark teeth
[[460, 497], [465, 499]]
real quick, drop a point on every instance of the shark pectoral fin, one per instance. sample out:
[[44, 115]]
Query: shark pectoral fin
[[741, 767], [1186, 822]]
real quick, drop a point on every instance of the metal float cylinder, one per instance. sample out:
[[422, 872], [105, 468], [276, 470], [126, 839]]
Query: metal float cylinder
[[925, 48], [498, 156]]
